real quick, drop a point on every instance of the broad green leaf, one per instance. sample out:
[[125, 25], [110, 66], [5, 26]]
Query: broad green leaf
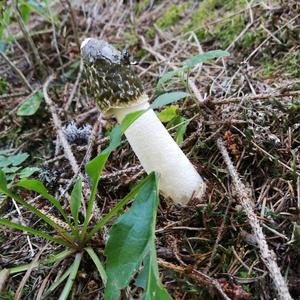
[[98, 263], [10, 170], [117, 208], [38, 187], [168, 98], [168, 113], [73, 273], [200, 58], [38, 7], [76, 200], [40, 263], [4, 161], [149, 278], [17, 159], [6, 151], [129, 239], [33, 231], [26, 172], [58, 282], [30, 106]]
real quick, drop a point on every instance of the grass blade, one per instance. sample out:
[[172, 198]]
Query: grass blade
[[98, 263], [168, 98], [38, 187], [34, 232], [73, 272], [59, 229], [47, 261], [76, 196]]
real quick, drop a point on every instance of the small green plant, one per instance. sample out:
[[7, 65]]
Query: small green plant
[[26, 8], [127, 247], [187, 65], [11, 165]]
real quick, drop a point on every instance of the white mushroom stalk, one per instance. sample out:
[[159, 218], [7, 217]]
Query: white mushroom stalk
[[117, 90]]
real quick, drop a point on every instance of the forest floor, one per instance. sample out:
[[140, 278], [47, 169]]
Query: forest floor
[[248, 102]]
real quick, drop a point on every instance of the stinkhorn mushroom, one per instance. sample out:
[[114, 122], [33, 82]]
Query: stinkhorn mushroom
[[118, 91]]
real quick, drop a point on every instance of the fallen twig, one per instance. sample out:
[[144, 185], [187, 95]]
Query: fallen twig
[[17, 70], [57, 123], [245, 200]]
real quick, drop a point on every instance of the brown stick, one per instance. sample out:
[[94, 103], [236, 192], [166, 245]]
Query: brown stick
[[201, 278], [266, 255], [57, 123], [17, 70]]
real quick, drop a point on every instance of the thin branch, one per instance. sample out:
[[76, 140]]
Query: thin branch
[[35, 51], [245, 200], [75, 86], [199, 277], [57, 123], [17, 70], [252, 98]]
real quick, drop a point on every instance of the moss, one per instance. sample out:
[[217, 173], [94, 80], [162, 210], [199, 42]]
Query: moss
[[288, 65], [172, 15], [227, 31], [141, 6], [212, 10], [251, 39]]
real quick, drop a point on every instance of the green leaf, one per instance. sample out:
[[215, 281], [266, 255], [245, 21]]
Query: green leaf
[[73, 273], [167, 76], [6, 151], [181, 130], [76, 200], [98, 263], [40, 263], [38, 7], [168, 113], [129, 238], [149, 278], [38, 187], [4, 161], [59, 229], [168, 98], [10, 170], [33, 231], [117, 208], [200, 58], [3, 182], [30, 106], [25, 12], [17, 159], [26, 172]]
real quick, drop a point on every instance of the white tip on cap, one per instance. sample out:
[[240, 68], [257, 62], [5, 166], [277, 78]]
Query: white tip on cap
[[85, 42]]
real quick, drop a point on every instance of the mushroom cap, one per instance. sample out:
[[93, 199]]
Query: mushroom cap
[[111, 80]]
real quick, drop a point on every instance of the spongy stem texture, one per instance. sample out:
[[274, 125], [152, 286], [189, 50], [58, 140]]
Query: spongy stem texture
[[157, 151]]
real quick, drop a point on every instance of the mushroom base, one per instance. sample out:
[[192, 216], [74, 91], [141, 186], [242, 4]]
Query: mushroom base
[[157, 151]]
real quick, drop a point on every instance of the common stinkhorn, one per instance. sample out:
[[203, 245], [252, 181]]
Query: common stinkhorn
[[118, 91]]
